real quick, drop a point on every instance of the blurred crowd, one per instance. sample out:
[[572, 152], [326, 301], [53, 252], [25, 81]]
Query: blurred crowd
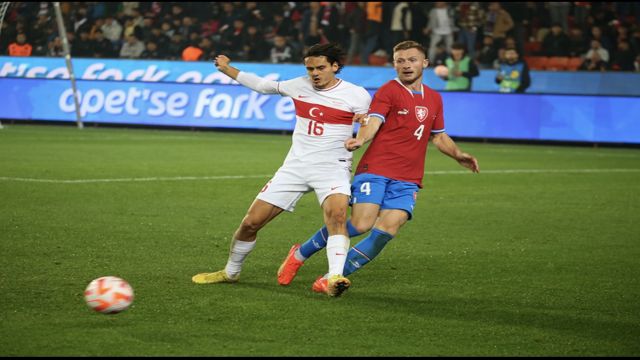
[[603, 36]]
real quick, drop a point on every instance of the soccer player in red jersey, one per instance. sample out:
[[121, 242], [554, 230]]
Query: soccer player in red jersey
[[404, 115]]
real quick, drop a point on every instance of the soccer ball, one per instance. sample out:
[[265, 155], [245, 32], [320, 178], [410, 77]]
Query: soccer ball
[[108, 295], [441, 71]]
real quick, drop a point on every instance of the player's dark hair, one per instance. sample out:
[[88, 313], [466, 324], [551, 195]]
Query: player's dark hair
[[410, 44], [333, 52]]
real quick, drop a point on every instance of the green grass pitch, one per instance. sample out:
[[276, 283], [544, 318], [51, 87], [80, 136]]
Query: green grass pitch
[[539, 254]]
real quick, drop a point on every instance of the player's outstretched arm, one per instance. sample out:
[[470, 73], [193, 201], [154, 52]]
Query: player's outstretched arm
[[447, 146], [251, 81], [369, 126]]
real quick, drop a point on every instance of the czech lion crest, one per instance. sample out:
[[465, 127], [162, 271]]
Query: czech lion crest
[[421, 113]]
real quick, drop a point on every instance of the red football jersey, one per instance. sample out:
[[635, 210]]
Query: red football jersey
[[398, 150]]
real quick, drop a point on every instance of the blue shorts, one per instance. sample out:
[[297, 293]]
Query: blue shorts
[[388, 193]]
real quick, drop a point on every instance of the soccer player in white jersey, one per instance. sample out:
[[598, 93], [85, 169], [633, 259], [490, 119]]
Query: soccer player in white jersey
[[325, 106], [404, 115]]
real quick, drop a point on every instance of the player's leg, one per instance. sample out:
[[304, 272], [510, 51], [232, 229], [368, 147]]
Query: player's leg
[[367, 193], [280, 194], [259, 214], [387, 226], [395, 211], [335, 217]]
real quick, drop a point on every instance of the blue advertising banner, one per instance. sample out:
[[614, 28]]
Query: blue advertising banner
[[483, 115], [371, 77]]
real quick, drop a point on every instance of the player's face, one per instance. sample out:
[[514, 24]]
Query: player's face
[[321, 72], [409, 64]]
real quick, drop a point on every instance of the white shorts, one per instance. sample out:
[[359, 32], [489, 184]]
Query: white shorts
[[292, 181]]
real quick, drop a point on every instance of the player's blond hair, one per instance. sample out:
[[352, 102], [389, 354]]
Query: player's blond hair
[[410, 44]]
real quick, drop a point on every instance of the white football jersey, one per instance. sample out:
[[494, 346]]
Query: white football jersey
[[324, 119]]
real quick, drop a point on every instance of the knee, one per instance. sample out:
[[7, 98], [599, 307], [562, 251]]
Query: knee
[[337, 216], [362, 225], [250, 225]]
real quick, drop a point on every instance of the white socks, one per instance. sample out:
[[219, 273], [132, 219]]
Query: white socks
[[337, 248], [237, 254]]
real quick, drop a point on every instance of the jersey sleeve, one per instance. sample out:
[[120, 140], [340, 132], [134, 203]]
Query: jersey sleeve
[[363, 101], [438, 124], [381, 103], [291, 87]]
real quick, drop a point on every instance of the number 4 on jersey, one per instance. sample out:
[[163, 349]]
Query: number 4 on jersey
[[418, 132]]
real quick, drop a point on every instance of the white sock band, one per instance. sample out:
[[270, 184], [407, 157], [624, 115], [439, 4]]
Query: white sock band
[[237, 254], [337, 248]]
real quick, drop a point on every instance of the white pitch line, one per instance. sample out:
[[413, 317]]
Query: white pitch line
[[227, 177], [176, 178]]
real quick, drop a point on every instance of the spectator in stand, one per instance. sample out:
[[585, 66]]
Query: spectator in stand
[[311, 33], [158, 36], [597, 34], [112, 30], [132, 48], [192, 53], [400, 25], [559, 11], [636, 64], [374, 28], [102, 47], [84, 46], [356, 22], [281, 52], [440, 27], [577, 43], [228, 15], [255, 47], [556, 43], [330, 23], [176, 45], [151, 51], [488, 53], [500, 59], [623, 57], [81, 20], [208, 50], [55, 48], [232, 38], [441, 55], [470, 17], [21, 47], [461, 69], [252, 14], [40, 31], [513, 73], [497, 23], [521, 16], [596, 59], [596, 47], [581, 10], [280, 26], [167, 30]]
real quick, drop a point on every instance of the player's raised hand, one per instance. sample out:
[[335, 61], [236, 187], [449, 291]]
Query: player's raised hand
[[353, 144], [469, 162], [221, 61]]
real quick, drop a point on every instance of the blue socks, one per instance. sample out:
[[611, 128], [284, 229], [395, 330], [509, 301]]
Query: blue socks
[[319, 240], [359, 255], [364, 251]]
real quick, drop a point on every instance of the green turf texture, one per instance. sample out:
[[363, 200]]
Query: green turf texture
[[523, 263]]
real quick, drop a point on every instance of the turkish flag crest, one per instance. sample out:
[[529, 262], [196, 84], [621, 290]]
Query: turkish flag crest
[[421, 113]]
